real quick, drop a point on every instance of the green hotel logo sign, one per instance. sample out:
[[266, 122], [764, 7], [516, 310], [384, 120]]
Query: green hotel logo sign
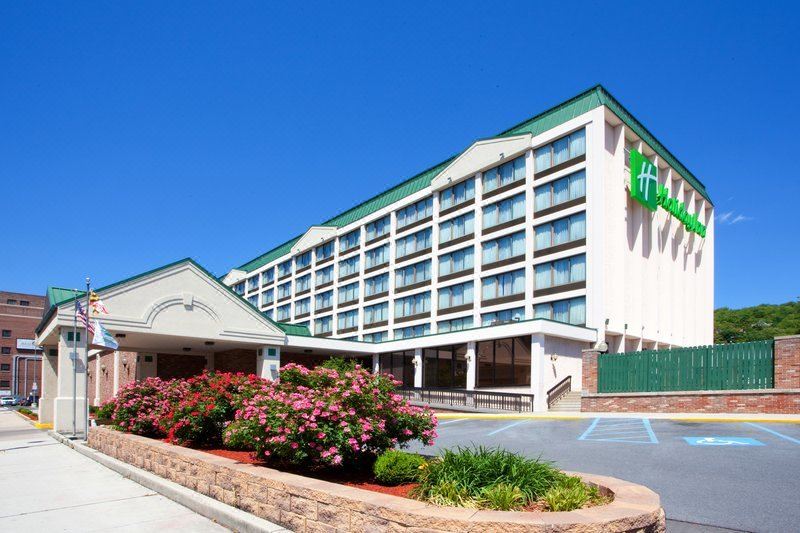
[[646, 190]]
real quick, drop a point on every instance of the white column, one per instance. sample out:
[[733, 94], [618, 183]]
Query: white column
[[209, 362], [537, 372], [49, 385], [98, 376], [418, 367], [269, 361], [64, 409], [376, 363], [117, 366], [472, 365]]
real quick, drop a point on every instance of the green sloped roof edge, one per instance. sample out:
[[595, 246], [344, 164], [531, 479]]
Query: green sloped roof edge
[[555, 116], [58, 296]]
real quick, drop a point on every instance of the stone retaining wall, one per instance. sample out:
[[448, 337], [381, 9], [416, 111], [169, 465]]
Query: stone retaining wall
[[310, 505]]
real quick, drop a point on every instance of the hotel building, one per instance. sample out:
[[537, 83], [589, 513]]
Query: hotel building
[[491, 270]]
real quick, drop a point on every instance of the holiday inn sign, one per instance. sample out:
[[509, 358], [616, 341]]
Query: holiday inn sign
[[646, 190]]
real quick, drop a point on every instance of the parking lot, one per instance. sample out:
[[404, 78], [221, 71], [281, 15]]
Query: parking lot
[[711, 476]]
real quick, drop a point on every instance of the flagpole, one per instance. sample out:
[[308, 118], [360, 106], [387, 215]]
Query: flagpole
[[86, 369], [74, 357]]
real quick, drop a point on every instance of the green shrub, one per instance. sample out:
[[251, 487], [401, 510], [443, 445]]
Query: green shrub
[[340, 364], [503, 497], [105, 411], [468, 473], [25, 411], [570, 493], [395, 467]]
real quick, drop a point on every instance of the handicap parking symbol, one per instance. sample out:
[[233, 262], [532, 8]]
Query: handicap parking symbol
[[722, 441]]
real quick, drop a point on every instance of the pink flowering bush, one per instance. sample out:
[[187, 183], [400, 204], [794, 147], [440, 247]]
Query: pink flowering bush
[[327, 417], [139, 406], [206, 404]]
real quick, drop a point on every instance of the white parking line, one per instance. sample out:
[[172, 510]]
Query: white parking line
[[452, 421], [506, 427], [781, 435]]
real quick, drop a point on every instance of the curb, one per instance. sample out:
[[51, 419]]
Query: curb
[[589, 416], [225, 515]]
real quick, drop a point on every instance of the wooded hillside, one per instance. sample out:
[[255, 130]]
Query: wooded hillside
[[756, 323]]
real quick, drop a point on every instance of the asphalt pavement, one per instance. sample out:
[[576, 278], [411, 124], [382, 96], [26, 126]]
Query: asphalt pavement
[[712, 476]]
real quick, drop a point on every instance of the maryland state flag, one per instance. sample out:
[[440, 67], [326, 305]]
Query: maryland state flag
[[102, 337], [97, 305]]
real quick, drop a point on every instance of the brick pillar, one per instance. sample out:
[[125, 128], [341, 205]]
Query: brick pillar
[[787, 362], [589, 370]]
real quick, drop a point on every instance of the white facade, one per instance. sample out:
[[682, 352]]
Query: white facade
[[648, 282]]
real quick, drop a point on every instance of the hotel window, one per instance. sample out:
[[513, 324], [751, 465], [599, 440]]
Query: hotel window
[[285, 268], [377, 256], [455, 295], [572, 311], [302, 307], [6, 367], [445, 367], [323, 300], [376, 285], [378, 336], [323, 325], [456, 324], [302, 284], [560, 191], [504, 211], [457, 194], [457, 261], [302, 260], [24, 303], [503, 317], [324, 251], [504, 174], [559, 151], [376, 313], [252, 283], [504, 362], [379, 228], [347, 320], [561, 272], [415, 212], [416, 273], [501, 285], [324, 275], [268, 276], [239, 288], [268, 313], [11, 301], [284, 290], [267, 297], [412, 331], [348, 293], [416, 242], [253, 300], [457, 227], [504, 248], [349, 266], [560, 231], [5, 350], [412, 305], [349, 241], [284, 312]]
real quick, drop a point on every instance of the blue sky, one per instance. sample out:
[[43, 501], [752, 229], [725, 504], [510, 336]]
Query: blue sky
[[135, 134]]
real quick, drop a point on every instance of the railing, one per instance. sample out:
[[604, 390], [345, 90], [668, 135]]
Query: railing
[[558, 390], [746, 365], [470, 399]]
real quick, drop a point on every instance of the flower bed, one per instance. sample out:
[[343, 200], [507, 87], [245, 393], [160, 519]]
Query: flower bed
[[306, 504]]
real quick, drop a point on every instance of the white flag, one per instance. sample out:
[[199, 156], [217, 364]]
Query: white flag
[[102, 337]]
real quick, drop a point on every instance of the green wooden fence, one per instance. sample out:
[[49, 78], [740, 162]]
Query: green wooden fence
[[746, 365]]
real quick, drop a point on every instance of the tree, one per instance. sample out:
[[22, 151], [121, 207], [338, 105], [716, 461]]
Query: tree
[[759, 322]]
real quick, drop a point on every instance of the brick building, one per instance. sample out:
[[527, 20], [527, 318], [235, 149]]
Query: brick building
[[19, 364]]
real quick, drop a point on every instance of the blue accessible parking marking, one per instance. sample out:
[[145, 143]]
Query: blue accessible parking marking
[[630, 430], [722, 441]]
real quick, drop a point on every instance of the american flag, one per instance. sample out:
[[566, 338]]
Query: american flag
[[82, 318]]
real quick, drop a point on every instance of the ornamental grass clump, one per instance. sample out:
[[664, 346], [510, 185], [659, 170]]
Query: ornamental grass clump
[[492, 478], [328, 418], [140, 406], [394, 467], [208, 403]]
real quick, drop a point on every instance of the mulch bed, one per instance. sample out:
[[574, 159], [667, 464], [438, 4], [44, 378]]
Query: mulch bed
[[359, 479]]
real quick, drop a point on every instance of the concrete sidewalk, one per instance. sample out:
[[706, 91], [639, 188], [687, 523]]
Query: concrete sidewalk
[[50, 487]]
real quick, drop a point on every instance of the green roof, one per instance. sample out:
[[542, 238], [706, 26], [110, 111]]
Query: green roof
[[555, 116], [57, 296]]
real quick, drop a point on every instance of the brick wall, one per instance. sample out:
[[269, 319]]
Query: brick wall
[[311, 505], [236, 361], [784, 398], [20, 321], [170, 366]]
